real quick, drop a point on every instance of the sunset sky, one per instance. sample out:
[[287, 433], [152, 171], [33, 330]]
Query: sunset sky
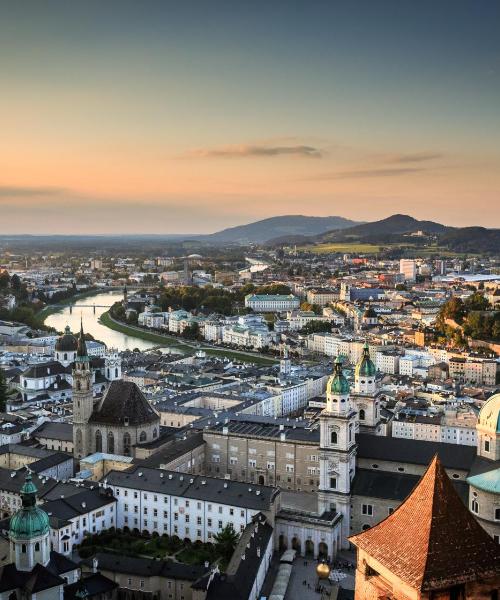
[[186, 117]]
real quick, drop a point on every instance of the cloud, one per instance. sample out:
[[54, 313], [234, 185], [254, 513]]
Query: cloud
[[7, 191], [416, 157], [366, 173], [247, 150]]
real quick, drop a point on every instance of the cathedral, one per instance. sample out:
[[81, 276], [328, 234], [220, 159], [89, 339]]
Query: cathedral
[[113, 424]]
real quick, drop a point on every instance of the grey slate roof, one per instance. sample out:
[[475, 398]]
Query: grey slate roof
[[147, 567], [221, 491], [452, 456], [124, 400], [54, 431]]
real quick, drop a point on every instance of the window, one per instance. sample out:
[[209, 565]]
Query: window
[[362, 415], [497, 514], [367, 509], [390, 510], [98, 441], [401, 469], [333, 437], [475, 506], [111, 442], [129, 581], [350, 432], [37, 546], [486, 445], [333, 482], [126, 443], [142, 436]]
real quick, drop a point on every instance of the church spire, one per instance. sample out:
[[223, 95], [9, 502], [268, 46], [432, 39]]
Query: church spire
[[81, 352]]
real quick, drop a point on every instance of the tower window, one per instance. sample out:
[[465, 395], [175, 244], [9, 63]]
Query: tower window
[[497, 514], [37, 546], [23, 548], [475, 506], [333, 437], [362, 415], [333, 483], [486, 445]]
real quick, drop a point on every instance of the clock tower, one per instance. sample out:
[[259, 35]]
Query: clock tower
[[337, 450]]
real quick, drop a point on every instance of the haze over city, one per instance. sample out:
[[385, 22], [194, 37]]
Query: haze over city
[[166, 117]]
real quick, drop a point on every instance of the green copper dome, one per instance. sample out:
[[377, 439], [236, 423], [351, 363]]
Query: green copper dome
[[30, 521], [365, 367], [338, 384]]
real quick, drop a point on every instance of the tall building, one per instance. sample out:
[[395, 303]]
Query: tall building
[[430, 548], [337, 449], [364, 397], [115, 423], [408, 267]]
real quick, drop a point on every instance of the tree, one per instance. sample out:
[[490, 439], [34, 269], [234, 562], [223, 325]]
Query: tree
[[4, 391], [476, 301], [192, 332], [316, 327], [225, 542]]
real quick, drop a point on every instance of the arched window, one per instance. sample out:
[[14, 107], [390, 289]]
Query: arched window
[[79, 443], [126, 443], [350, 432], [37, 547], [111, 442], [65, 356], [142, 436], [333, 437], [98, 441], [362, 414], [475, 506], [23, 548], [116, 372], [155, 432]]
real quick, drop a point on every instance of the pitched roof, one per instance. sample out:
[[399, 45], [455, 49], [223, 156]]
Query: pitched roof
[[124, 400], [432, 541]]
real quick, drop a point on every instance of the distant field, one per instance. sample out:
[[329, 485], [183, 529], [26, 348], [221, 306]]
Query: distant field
[[345, 247]]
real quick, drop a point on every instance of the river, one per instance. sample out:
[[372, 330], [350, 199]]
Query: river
[[84, 308]]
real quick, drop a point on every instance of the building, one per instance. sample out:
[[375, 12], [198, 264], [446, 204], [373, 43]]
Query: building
[[408, 268], [272, 303], [322, 296], [429, 548], [115, 423], [193, 507]]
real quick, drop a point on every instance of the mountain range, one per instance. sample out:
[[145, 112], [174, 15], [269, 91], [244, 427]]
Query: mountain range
[[299, 229], [285, 226]]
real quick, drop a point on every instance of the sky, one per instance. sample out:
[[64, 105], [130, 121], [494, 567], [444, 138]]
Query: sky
[[188, 117]]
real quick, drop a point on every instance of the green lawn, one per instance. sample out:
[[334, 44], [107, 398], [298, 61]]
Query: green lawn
[[344, 248]]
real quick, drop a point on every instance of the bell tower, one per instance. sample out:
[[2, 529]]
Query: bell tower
[[364, 398], [113, 365], [337, 450], [83, 402]]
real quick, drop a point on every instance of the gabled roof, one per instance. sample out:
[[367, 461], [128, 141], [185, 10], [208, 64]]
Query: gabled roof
[[432, 541], [124, 400]]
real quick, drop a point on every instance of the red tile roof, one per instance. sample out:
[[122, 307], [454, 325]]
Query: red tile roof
[[432, 541]]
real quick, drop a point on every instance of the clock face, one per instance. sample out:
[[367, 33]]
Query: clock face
[[332, 467]]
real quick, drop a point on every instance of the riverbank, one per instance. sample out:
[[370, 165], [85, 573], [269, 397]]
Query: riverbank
[[188, 348]]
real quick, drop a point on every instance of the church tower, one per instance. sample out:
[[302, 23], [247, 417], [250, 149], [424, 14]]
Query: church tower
[[113, 365], [365, 399], [83, 402], [285, 364], [337, 450], [29, 531]]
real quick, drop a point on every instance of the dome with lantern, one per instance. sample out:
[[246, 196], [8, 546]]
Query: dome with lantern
[[338, 384], [30, 521]]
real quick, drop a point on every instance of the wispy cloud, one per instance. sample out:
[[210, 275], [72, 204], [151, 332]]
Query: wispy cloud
[[416, 157], [8, 191], [366, 173], [248, 150]]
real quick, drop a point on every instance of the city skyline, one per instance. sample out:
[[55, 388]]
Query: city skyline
[[169, 118]]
